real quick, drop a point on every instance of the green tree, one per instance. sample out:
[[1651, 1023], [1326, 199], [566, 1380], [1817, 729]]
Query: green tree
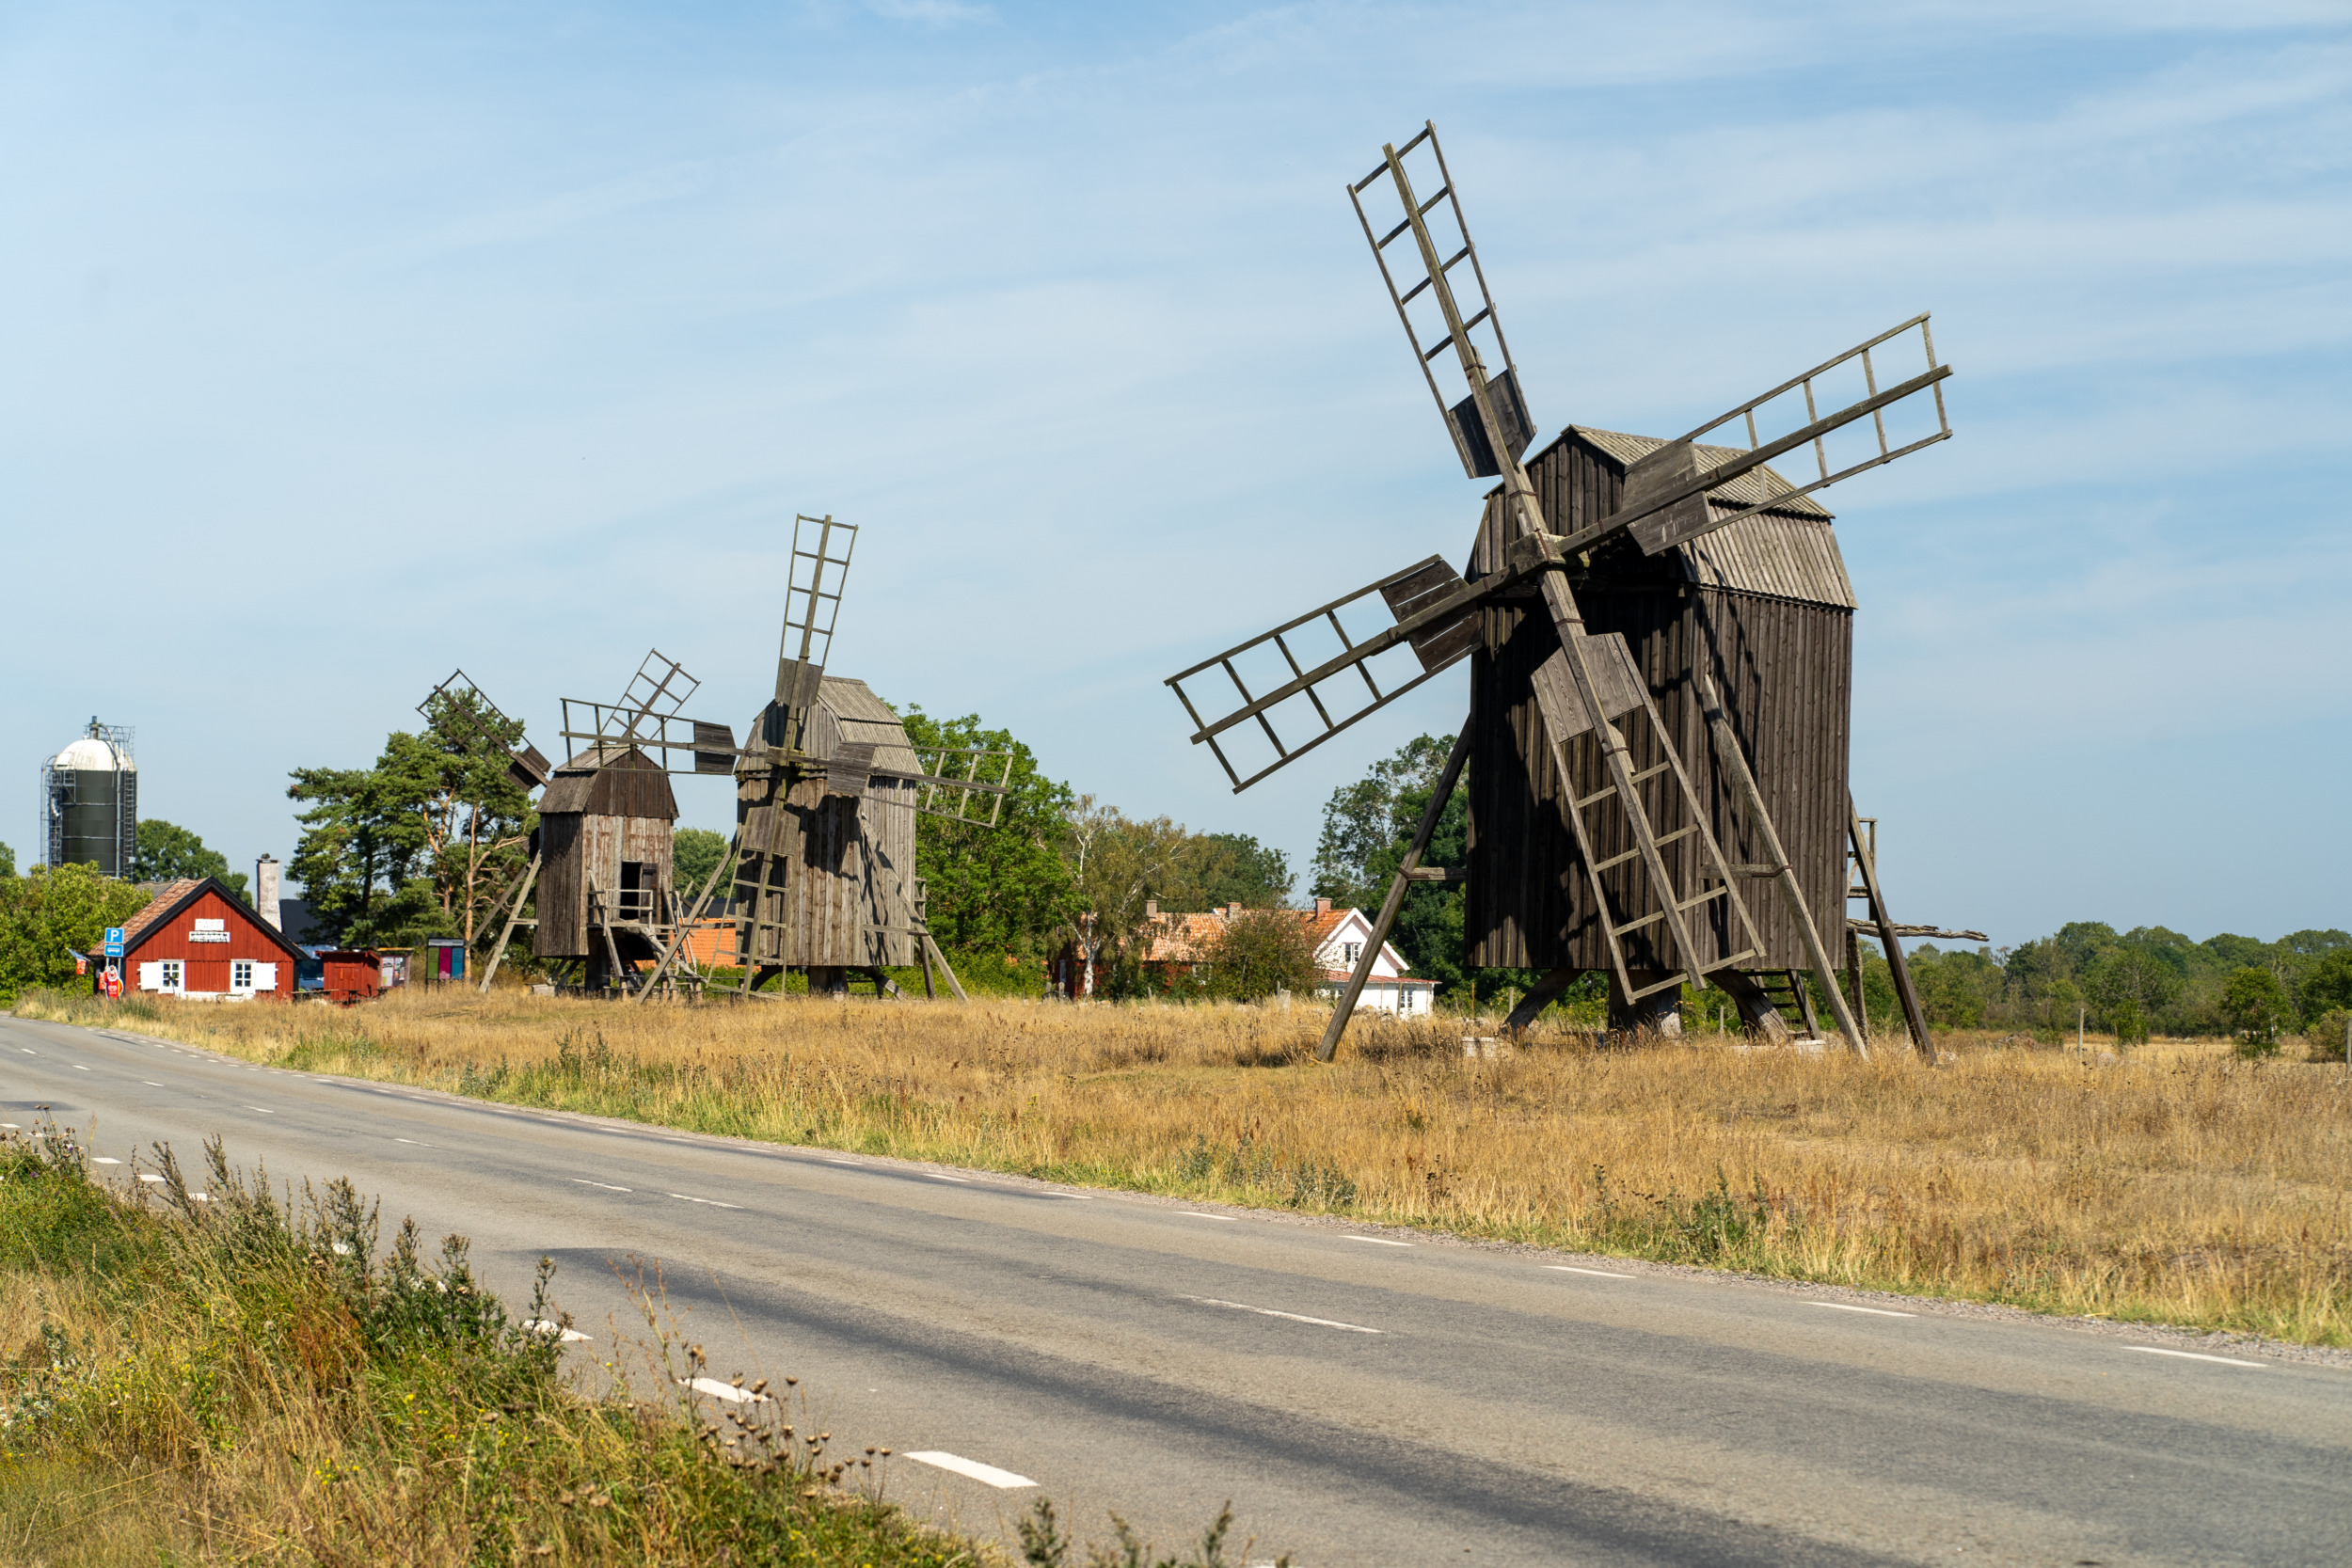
[[1235, 869], [1117, 867], [7, 863], [421, 843], [2129, 984], [1261, 952], [52, 914], [360, 852], [2255, 1004], [1363, 821], [477, 816], [166, 852], [694, 857], [1005, 888], [2328, 984]]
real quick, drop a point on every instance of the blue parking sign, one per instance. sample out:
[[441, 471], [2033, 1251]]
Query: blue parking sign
[[114, 941]]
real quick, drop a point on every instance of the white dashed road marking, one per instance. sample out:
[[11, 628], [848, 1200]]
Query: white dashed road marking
[[79, 1067], [1376, 1241], [857, 1163], [936, 1176], [1596, 1273], [151, 1082], [150, 1177], [2192, 1355], [540, 1325], [718, 1390], [608, 1186], [1197, 1214], [1293, 1317], [973, 1469], [1874, 1311], [412, 1143], [712, 1201], [105, 1160], [264, 1109]]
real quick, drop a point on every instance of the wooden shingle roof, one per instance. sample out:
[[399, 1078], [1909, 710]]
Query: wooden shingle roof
[[1788, 551]]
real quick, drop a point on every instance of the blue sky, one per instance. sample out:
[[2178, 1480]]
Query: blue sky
[[348, 344]]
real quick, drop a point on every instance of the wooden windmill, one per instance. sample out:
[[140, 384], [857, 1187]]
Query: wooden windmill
[[1660, 636], [822, 872]]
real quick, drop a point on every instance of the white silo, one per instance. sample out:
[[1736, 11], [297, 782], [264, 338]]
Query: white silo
[[89, 802]]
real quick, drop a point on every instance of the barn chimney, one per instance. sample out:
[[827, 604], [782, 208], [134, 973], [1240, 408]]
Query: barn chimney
[[265, 891], [1323, 905]]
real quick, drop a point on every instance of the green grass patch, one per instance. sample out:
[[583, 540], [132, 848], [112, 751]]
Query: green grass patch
[[203, 1372]]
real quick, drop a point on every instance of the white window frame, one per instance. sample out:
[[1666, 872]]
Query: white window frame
[[173, 975], [240, 974]]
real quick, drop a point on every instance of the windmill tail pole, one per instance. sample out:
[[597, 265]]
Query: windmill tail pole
[[513, 913], [1438, 798], [685, 927], [1784, 874]]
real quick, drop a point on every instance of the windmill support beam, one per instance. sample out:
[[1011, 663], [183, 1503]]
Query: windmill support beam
[[506, 933], [1735, 763], [1889, 936], [1542, 994], [1757, 1009], [1395, 901], [933, 955]]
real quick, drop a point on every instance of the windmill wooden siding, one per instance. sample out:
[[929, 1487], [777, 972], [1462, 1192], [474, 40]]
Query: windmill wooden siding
[[849, 899], [593, 821], [1766, 607]]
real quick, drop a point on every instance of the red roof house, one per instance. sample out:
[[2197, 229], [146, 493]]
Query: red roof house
[[198, 940]]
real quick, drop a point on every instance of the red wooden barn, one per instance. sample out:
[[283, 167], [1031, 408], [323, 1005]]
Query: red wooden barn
[[197, 939]]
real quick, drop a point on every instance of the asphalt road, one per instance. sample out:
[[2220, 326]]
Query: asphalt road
[[1360, 1401]]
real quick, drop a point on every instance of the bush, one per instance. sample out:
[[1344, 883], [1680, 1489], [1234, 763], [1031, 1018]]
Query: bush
[[2255, 1005], [2324, 1035], [1261, 952]]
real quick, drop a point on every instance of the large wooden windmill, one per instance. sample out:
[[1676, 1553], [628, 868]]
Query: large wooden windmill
[[822, 872], [1659, 634]]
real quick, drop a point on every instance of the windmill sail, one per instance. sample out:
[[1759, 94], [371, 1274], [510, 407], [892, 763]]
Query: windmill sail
[[1431, 607]]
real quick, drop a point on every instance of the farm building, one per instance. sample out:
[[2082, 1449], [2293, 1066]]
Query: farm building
[[198, 940], [1764, 606]]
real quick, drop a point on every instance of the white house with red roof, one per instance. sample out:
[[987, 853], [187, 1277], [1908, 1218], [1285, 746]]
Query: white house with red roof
[[1182, 940]]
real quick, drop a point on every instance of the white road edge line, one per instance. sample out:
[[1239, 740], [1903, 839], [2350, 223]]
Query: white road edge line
[[936, 1176], [855, 1165], [608, 1186], [1376, 1241], [1197, 1214], [1874, 1311], [988, 1475], [2192, 1355], [1293, 1317], [1596, 1273]]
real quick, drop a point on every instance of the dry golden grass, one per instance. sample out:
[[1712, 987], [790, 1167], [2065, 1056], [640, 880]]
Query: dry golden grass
[[2175, 1184]]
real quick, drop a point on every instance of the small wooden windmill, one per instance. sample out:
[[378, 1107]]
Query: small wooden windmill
[[822, 866], [1659, 634]]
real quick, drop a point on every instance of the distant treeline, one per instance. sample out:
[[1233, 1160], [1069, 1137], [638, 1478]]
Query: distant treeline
[[2130, 985]]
